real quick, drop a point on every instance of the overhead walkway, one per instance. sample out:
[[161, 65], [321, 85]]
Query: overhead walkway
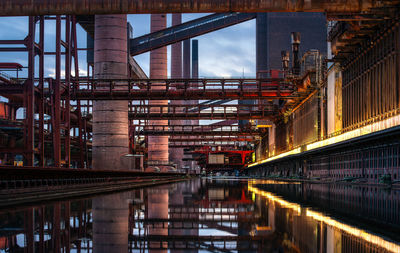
[[182, 89]]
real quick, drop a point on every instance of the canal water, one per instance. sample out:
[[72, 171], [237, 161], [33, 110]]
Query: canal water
[[203, 215]]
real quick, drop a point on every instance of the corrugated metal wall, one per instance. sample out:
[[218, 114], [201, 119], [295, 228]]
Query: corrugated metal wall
[[306, 122], [371, 81]]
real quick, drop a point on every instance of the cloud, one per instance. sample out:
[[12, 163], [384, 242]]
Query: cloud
[[224, 53]]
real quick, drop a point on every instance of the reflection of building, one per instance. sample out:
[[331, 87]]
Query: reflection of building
[[305, 230], [214, 216]]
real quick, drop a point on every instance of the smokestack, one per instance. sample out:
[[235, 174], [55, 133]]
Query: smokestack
[[158, 145], [176, 154], [285, 60], [186, 59], [195, 75], [195, 59], [295, 49]]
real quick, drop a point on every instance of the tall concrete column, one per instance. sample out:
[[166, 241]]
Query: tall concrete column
[[195, 70], [110, 118], [186, 75], [176, 154], [158, 145], [195, 75]]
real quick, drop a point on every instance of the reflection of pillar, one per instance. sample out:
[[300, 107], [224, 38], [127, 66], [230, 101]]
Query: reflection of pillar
[[110, 223], [176, 154], [330, 240], [29, 226], [176, 199], [271, 215], [157, 208], [110, 118], [158, 145]]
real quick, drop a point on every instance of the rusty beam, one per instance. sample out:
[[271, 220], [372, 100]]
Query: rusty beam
[[92, 7]]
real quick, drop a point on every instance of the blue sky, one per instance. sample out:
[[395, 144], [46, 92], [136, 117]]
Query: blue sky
[[229, 52]]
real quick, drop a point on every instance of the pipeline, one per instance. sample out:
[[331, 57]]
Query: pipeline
[[92, 7]]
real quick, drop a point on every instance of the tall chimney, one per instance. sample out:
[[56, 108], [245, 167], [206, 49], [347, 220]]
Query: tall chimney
[[158, 145], [295, 49]]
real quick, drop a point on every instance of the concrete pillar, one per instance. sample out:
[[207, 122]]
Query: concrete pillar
[[186, 58], [158, 145], [195, 59], [186, 75], [195, 75], [110, 118], [195, 69], [176, 154], [110, 223]]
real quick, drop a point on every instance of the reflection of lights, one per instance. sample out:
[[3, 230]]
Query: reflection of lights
[[371, 128], [272, 197], [370, 238], [379, 241]]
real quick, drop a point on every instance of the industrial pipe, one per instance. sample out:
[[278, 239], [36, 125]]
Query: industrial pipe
[[91, 7], [295, 50], [285, 60]]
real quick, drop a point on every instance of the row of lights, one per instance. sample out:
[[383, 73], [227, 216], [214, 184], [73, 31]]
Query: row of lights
[[374, 127]]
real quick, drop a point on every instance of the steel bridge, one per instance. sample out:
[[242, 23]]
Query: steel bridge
[[149, 112], [182, 89], [191, 130]]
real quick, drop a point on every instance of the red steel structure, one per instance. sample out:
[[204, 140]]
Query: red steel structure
[[181, 89], [91, 7], [42, 96]]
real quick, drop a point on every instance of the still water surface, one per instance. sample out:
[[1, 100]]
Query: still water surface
[[212, 216]]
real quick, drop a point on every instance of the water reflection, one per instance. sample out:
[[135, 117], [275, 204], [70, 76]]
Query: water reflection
[[211, 216]]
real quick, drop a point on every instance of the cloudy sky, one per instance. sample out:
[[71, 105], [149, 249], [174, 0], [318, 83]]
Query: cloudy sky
[[229, 52]]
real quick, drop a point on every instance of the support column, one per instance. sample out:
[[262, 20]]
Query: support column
[[176, 154], [195, 75], [110, 118], [195, 70], [29, 96], [158, 145], [186, 75], [186, 70]]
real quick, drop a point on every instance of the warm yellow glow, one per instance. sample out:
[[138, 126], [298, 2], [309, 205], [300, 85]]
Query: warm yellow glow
[[265, 228], [379, 241], [272, 197], [374, 127], [291, 152], [362, 234], [263, 126]]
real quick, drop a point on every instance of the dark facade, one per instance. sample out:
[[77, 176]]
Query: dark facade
[[273, 36]]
